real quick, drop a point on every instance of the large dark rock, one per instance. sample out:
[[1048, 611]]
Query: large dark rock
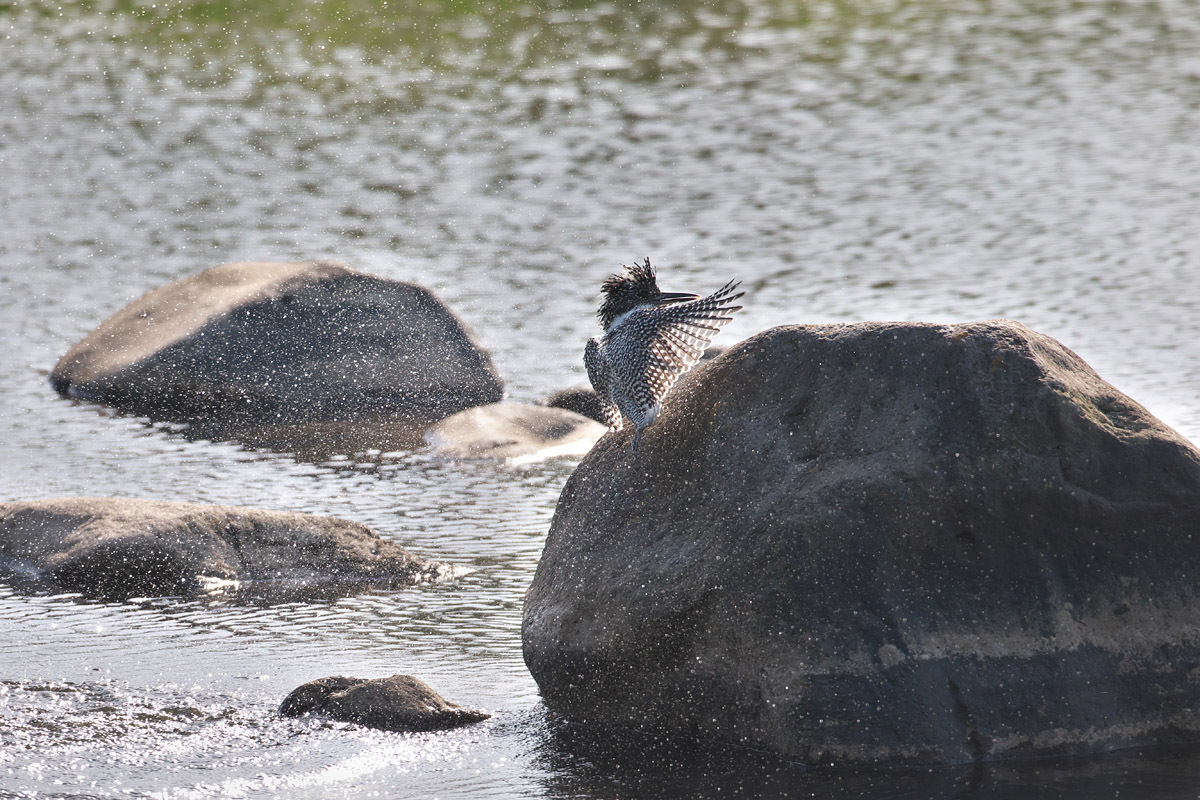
[[514, 433], [282, 343], [399, 703], [881, 543], [119, 548]]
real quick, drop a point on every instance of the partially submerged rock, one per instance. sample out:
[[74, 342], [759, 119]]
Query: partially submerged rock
[[881, 543], [513, 432], [399, 703], [581, 400], [254, 344], [119, 548], [317, 441]]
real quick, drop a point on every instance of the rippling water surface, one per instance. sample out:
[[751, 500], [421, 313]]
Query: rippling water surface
[[848, 160]]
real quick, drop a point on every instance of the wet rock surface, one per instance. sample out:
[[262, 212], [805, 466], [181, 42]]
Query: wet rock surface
[[881, 543], [512, 431], [253, 344], [117, 548], [399, 703]]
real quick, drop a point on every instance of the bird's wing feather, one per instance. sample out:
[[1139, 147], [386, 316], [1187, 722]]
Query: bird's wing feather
[[682, 332], [597, 372]]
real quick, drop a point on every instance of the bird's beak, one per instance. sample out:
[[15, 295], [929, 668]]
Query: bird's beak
[[674, 297]]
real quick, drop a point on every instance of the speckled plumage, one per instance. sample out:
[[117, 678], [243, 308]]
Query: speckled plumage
[[650, 339]]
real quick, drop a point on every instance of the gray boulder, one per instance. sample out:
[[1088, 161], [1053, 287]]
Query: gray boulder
[[881, 543], [514, 433], [399, 703], [279, 342], [119, 548]]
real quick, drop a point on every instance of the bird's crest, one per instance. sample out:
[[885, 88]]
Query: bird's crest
[[639, 275], [627, 289]]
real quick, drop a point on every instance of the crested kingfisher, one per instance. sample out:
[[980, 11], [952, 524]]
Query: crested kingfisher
[[650, 338]]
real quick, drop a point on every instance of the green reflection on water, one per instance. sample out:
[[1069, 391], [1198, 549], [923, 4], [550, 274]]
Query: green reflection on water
[[634, 41]]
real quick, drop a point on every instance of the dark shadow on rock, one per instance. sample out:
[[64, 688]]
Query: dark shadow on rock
[[400, 703], [598, 762], [118, 548], [614, 764]]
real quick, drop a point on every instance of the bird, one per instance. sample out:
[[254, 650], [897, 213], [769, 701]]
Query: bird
[[650, 338]]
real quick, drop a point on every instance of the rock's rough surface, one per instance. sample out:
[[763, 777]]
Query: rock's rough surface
[[398, 703], [882, 543], [120, 548], [282, 342], [514, 432]]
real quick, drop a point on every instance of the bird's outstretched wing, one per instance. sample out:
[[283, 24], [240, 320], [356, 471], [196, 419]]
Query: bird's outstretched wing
[[682, 331], [598, 374]]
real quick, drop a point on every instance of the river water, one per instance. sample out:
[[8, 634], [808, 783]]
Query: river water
[[876, 159]]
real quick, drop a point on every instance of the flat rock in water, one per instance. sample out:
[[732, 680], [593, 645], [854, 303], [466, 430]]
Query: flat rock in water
[[513, 432], [279, 344], [399, 703], [881, 543], [119, 548]]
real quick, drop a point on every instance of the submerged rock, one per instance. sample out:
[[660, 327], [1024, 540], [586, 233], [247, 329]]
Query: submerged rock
[[881, 543], [399, 703], [119, 548], [317, 441], [580, 400], [281, 343], [514, 432]]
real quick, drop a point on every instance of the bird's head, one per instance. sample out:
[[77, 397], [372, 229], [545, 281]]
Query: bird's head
[[632, 287]]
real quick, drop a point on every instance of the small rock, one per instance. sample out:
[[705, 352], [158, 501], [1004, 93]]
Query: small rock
[[581, 400], [400, 703]]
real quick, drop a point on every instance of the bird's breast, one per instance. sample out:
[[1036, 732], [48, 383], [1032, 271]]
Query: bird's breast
[[622, 319]]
